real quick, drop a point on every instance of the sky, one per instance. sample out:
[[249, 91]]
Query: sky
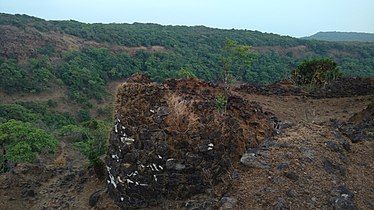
[[286, 17]]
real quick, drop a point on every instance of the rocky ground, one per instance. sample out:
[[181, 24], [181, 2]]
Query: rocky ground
[[311, 163]]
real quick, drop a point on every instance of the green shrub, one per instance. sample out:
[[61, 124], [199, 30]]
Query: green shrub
[[22, 142], [52, 103], [316, 72], [73, 133], [34, 76]]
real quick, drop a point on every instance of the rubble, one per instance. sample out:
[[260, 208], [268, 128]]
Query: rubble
[[169, 141]]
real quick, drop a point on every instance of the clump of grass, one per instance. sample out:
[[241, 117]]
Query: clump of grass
[[181, 117]]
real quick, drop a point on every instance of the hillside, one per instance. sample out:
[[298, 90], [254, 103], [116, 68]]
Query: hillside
[[197, 48], [342, 36]]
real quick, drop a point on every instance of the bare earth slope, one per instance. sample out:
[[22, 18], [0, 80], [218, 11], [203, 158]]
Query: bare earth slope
[[311, 163]]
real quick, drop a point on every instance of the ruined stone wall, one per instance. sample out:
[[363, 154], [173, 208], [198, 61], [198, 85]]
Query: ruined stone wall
[[169, 140]]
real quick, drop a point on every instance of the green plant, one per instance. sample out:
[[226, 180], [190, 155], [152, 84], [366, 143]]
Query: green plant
[[17, 112], [221, 102], [34, 76], [21, 142], [315, 72], [236, 62]]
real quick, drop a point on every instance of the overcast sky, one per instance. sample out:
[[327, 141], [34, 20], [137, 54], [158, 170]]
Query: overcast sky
[[287, 17]]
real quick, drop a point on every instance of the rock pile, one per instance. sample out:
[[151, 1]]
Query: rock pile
[[170, 141]]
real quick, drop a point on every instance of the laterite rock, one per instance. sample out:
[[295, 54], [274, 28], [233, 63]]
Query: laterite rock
[[169, 140]]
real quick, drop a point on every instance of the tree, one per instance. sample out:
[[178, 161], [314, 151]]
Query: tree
[[236, 61]]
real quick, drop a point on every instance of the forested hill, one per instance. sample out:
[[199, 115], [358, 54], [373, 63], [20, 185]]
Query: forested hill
[[342, 36], [84, 57], [56, 77]]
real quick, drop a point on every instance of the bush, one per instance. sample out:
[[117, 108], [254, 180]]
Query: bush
[[21, 142], [74, 133], [315, 72], [35, 76]]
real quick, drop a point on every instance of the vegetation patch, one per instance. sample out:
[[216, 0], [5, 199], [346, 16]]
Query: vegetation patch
[[316, 72], [22, 142]]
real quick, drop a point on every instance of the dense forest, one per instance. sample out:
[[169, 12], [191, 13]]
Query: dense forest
[[342, 36], [39, 56]]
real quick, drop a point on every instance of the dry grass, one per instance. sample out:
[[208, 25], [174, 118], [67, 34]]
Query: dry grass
[[181, 117]]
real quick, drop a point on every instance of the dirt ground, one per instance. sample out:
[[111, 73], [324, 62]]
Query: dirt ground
[[308, 165], [300, 177]]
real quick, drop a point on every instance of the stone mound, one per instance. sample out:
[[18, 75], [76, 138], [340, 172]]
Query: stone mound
[[170, 141]]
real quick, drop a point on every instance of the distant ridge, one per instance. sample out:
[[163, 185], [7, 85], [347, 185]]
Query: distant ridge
[[342, 36]]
